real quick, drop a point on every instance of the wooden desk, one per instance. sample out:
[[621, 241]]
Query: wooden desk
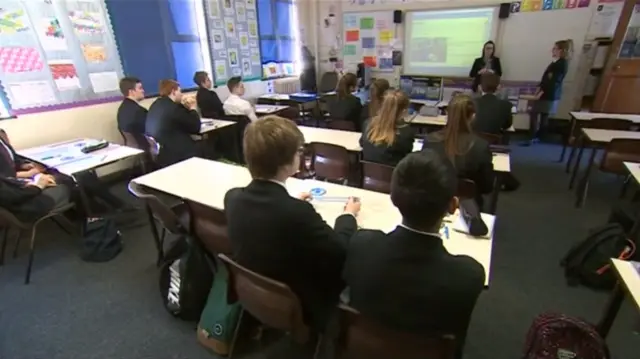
[[214, 179], [209, 124], [68, 159], [629, 283], [269, 109], [436, 121], [594, 136]]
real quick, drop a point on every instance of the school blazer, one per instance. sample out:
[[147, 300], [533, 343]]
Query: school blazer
[[209, 103], [384, 154], [9, 168], [25, 202], [346, 109], [493, 115], [285, 239], [132, 119], [475, 161], [172, 125], [479, 64], [408, 281], [551, 81]]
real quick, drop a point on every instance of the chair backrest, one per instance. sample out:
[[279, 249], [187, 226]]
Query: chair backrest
[[376, 176], [620, 150], [609, 124], [466, 188], [292, 113], [154, 146], [209, 226], [363, 338], [341, 125], [491, 138], [328, 82], [167, 217], [8, 220], [131, 141], [330, 161], [271, 302]]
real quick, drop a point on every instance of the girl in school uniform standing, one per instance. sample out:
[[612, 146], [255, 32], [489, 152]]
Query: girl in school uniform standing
[[549, 90], [488, 62]]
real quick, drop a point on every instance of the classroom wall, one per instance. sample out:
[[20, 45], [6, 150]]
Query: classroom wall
[[96, 121]]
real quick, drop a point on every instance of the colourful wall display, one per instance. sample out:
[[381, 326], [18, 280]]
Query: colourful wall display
[[369, 38], [544, 5]]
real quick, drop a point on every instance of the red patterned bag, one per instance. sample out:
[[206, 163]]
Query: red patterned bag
[[557, 336]]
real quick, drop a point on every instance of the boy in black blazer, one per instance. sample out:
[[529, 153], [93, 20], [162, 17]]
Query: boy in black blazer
[[493, 114], [207, 99], [406, 279], [283, 237]]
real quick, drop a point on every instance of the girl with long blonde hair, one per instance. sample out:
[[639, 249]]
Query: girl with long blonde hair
[[386, 137]]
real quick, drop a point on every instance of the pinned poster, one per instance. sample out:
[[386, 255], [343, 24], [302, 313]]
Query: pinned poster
[[350, 22], [220, 68], [381, 24], [385, 37], [367, 23], [94, 53], [16, 59], [353, 36], [51, 36], [86, 22], [385, 63], [107, 81], [369, 61], [64, 75], [368, 42], [218, 39], [530, 5], [349, 50], [246, 67], [253, 28], [229, 27], [12, 21], [244, 40], [30, 94]]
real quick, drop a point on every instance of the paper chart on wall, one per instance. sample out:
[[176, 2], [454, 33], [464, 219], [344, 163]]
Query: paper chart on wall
[[104, 81], [86, 22], [246, 67], [30, 93], [51, 35], [13, 20], [218, 39], [233, 57], [605, 18], [94, 53], [244, 40], [213, 5], [229, 27], [368, 38], [220, 68], [17, 59], [241, 12], [228, 7], [253, 28], [64, 74]]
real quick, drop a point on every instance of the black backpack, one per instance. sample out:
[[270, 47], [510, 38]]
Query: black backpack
[[102, 241], [589, 262], [185, 279]]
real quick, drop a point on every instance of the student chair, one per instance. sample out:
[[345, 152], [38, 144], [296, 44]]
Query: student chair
[[328, 82], [616, 152], [599, 123], [271, 302], [341, 125], [330, 162], [8, 221], [493, 139], [173, 218], [363, 338], [376, 176], [466, 188], [209, 225]]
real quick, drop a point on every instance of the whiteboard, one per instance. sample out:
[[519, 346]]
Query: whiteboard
[[527, 39], [368, 37]]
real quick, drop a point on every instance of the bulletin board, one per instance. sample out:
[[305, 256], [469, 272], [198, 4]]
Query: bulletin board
[[233, 39], [369, 38], [57, 52]]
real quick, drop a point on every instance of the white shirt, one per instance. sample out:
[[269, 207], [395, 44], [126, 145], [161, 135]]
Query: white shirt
[[419, 232], [235, 105]]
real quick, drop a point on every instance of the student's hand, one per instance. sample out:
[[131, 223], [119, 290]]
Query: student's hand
[[482, 71], [41, 182], [50, 179], [353, 206], [305, 196], [27, 166], [30, 172], [539, 95], [189, 102]]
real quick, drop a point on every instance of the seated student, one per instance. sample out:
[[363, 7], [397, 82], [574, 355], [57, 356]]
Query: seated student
[[386, 137], [13, 166], [493, 115], [208, 101], [283, 237], [376, 93], [235, 104], [172, 122], [29, 200], [132, 116], [344, 105], [407, 279], [469, 153]]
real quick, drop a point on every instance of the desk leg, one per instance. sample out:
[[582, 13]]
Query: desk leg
[[156, 236], [497, 187], [611, 311], [576, 165], [583, 186], [572, 126]]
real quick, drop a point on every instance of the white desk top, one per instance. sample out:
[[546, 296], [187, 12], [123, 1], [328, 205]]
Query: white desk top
[[634, 170], [501, 161], [275, 96], [214, 179], [347, 139], [445, 103], [586, 116], [440, 120], [628, 274], [431, 103], [68, 158], [269, 109], [605, 136], [209, 124]]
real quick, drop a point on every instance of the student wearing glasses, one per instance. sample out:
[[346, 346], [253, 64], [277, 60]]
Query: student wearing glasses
[[386, 138], [283, 237]]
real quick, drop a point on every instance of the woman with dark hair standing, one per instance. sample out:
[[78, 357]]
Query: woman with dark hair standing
[[345, 105], [488, 62]]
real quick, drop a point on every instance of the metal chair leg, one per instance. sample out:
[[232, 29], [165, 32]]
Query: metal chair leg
[[5, 237], [32, 249], [235, 334], [17, 245]]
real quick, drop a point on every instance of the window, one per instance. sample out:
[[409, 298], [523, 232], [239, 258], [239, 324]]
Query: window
[[278, 24], [160, 40]]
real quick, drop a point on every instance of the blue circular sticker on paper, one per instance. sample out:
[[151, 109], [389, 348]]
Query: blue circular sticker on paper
[[317, 192]]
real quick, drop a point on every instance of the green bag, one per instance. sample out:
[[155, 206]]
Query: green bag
[[219, 319]]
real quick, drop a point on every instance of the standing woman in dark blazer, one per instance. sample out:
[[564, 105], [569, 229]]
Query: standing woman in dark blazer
[[345, 106], [488, 62], [549, 90], [376, 95], [386, 137], [469, 153]]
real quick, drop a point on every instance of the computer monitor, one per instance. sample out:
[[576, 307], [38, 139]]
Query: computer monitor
[[271, 70], [420, 87]]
